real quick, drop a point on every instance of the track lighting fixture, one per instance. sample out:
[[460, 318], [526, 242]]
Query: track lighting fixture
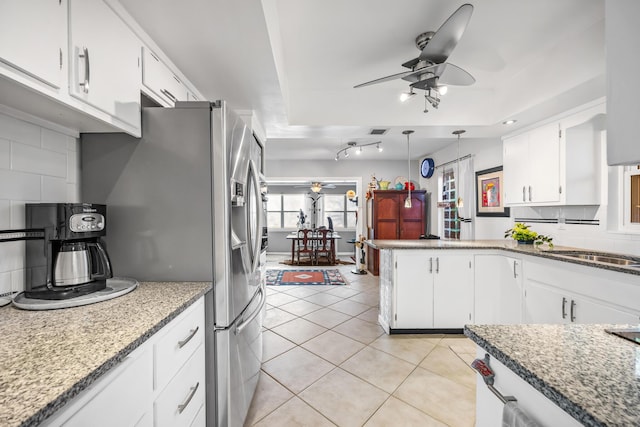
[[357, 147]]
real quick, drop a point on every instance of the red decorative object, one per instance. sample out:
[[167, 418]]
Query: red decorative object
[[406, 186]]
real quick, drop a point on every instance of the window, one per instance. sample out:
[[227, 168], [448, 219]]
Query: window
[[631, 213], [340, 210], [283, 210], [449, 215]]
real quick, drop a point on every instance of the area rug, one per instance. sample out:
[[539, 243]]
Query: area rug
[[304, 277], [321, 262]]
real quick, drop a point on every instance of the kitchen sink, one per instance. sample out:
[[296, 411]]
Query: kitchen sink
[[601, 258]]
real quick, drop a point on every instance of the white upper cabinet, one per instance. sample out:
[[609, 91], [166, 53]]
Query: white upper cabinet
[[532, 166], [159, 82], [622, 44], [104, 56], [33, 38], [557, 163]]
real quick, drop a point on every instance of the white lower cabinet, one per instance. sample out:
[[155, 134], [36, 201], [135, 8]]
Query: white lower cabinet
[[132, 393], [432, 289], [498, 289], [561, 292]]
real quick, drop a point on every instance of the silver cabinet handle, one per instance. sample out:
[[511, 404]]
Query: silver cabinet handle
[[192, 334], [87, 73], [169, 95], [430, 265], [437, 264], [529, 193], [524, 192], [573, 308], [184, 405], [515, 274], [564, 310]]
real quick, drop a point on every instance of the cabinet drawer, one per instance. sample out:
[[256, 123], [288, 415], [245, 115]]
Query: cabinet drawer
[[178, 343], [121, 398], [179, 403]]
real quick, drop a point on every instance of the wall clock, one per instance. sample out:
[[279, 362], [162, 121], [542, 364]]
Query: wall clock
[[427, 167]]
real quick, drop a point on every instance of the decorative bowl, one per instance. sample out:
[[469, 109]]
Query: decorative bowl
[[384, 185]]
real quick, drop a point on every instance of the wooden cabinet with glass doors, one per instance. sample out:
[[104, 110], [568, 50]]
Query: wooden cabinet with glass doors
[[388, 219]]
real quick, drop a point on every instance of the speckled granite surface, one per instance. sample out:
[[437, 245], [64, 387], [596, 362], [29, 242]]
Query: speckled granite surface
[[592, 375], [47, 358], [506, 245]]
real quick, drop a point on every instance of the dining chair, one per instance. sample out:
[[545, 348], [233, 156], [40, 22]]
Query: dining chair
[[325, 246], [305, 244]]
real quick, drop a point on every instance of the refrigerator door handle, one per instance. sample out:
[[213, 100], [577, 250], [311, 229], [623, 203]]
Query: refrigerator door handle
[[244, 322]]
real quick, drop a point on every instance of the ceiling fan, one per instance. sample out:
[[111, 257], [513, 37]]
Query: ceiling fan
[[316, 186], [430, 71]]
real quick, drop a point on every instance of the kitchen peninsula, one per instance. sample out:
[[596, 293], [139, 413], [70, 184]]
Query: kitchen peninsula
[[561, 375], [75, 364], [438, 286]]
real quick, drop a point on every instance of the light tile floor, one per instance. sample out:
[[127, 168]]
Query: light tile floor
[[327, 362]]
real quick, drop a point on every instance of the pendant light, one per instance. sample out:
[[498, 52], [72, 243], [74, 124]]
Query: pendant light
[[407, 202], [459, 201]]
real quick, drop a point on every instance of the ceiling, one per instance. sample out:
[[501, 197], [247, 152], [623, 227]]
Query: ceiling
[[295, 62]]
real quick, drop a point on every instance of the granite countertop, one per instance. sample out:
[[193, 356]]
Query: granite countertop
[[49, 357], [507, 245], [590, 374]]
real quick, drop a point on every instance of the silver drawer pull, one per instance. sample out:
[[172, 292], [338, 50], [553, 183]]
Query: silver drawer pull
[[168, 95], [184, 405], [187, 339]]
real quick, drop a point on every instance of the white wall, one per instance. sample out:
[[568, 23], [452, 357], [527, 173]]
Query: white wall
[[487, 153], [37, 164]]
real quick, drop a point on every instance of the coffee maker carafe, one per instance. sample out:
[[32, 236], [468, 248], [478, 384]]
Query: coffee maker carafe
[[70, 260]]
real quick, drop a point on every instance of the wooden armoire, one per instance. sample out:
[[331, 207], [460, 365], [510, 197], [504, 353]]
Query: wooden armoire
[[388, 219]]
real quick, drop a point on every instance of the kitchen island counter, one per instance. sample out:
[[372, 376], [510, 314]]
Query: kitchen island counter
[[542, 251], [587, 372], [49, 357]]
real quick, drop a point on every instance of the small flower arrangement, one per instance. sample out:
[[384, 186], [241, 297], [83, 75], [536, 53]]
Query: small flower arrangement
[[302, 218], [522, 234]]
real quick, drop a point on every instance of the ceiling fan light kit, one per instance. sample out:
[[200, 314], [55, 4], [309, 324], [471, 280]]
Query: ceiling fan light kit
[[430, 71], [352, 145]]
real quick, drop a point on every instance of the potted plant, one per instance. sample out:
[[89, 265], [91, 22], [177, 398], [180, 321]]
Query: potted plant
[[523, 235]]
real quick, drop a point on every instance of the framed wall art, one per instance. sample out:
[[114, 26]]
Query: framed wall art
[[490, 193]]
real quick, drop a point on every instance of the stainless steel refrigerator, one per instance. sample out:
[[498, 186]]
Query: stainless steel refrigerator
[[184, 204]]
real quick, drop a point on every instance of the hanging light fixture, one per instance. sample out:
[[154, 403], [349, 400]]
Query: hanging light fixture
[[407, 201], [459, 201]]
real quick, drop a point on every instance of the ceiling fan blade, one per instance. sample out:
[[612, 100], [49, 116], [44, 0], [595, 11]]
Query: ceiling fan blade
[[448, 35], [453, 75], [385, 79]]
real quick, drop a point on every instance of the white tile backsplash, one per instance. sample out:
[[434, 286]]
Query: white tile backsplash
[[19, 131], [54, 141], [19, 185], [39, 161], [5, 154], [36, 165]]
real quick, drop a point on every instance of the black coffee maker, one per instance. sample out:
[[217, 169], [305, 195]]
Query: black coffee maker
[[70, 260]]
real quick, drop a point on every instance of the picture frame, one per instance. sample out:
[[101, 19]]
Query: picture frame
[[490, 193]]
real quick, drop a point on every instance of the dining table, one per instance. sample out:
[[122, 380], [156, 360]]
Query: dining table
[[293, 236]]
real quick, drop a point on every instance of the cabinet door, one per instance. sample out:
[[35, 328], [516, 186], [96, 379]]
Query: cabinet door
[[544, 158], [412, 219], [586, 310], [159, 79], [32, 36], [413, 286], [544, 304], [386, 217], [104, 61], [452, 290], [516, 169], [498, 290]]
